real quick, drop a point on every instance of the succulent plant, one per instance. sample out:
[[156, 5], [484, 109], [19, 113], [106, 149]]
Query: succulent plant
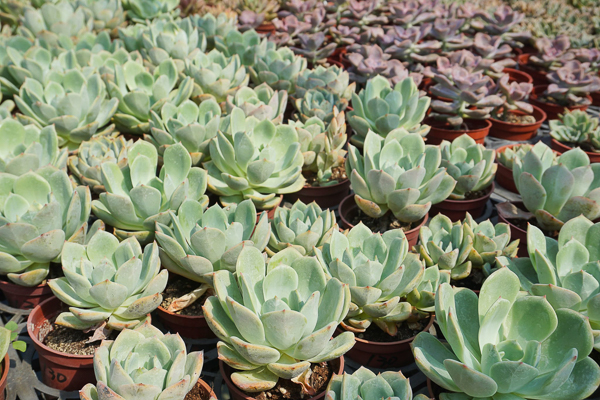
[[470, 164], [140, 92], [40, 211], [363, 13], [575, 126], [398, 174], [571, 84], [262, 103], [504, 22], [369, 61], [333, 79], [249, 20], [287, 30], [303, 227], [448, 31], [312, 46], [410, 12], [322, 146], [246, 45], [27, 148], [514, 95], [136, 197], [256, 162], [589, 56], [410, 44], [107, 14], [163, 368], [385, 110], [85, 166], [9, 48], [278, 69], [274, 320], [493, 47], [363, 383], [212, 26], [492, 340], [189, 124], [508, 155], [319, 103], [344, 35], [551, 52], [267, 7], [558, 193], [76, 105], [142, 10]]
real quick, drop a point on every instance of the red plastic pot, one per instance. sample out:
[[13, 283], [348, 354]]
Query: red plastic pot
[[189, 326], [517, 132], [60, 371], [24, 297], [539, 77], [383, 355], [336, 365], [337, 57], [457, 209], [325, 196], [551, 110], [516, 232], [504, 175], [514, 75], [4, 378], [266, 28], [561, 148], [348, 207], [441, 130]]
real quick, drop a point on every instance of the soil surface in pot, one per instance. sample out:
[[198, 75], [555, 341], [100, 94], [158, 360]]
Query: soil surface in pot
[[179, 286], [474, 195], [337, 173], [198, 393], [375, 334], [70, 341], [473, 281], [552, 100], [522, 224], [286, 389], [513, 118], [383, 224]]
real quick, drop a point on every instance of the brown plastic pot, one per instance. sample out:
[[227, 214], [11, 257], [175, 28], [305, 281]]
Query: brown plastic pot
[[516, 232], [60, 371], [518, 132], [561, 148], [441, 130], [551, 110], [325, 196], [348, 207], [504, 175], [24, 297], [337, 57], [595, 98], [235, 393], [3, 379], [266, 28], [539, 77], [457, 209], [514, 75], [383, 355], [189, 326]]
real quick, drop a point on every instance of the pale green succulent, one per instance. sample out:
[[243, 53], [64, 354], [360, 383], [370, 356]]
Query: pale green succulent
[[86, 165], [140, 92], [303, 227], [333, 79], [6, 107], [248, 45], [273, 320], [142, 10], [507, 156], [144, 363], [216, 76], [459, 247], [8, 47], [383, 109], [470, 164], [77, 106], [398, 173], [27, 148], [319, 103], [278, 69], [136, 197], [262, 102], [381, 274], [108, 281], [505, 345], [575, 126], [189, 124], [39, 212], [107, 14], [214, 26], [258, 163], [364, 384], [565, 271], [555, 194], [322, 146]]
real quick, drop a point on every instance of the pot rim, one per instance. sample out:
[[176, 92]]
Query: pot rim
[[185, 317], [6, 367], [508, 70], [490, 190], [40, 286], [405, 341], [567, 148], [344, 182], [542, 114], [520, 205]]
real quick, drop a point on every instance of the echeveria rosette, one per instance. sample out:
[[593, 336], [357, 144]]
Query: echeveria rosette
[[107, 14], [39, 212], [190, 124], [258, 163], [572, 83], [11, 45], [136, 197], [261, 102], [503, 345], [108, 281], [399, 174], [565, 271], [278, 69], [317, 103], [142, 10], [163, 369], [76, 105], [273, 320], [470, 164], [381, 108], [214, 26], [303, 227], [333, 79], [247, 45], [575, 126], [508, 155]]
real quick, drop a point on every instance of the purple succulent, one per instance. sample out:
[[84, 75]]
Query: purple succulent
[[313, 47], [550, 52], [409, 13], [408, 44], [466, 60], [448, 32], [368, 61], [363, 13], [249, 20], [514, 94], [291, 25], [493, 47], [572, 83], [588, 56], [345, 35]]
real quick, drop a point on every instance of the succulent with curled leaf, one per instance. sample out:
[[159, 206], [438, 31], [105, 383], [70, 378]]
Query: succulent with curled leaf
[[571, 84]]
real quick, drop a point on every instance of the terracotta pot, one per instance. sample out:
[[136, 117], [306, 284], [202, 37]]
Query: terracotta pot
[[383, 355], [325, 196], [337, 57], [189, 326], [551, 110], [504, 175], [516, 232], [561, 148], [539, 77], [24, 297], [336, 365], [206, 389], [348, 207], [514, 75], [517, 132], [3, 380], [266, 28], [457, 209], [60, 371], [440, 130]]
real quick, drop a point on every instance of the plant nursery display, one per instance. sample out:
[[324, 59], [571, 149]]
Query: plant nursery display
[[576, 129]]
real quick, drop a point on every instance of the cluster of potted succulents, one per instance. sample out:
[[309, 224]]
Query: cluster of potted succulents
[[170, 171]]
